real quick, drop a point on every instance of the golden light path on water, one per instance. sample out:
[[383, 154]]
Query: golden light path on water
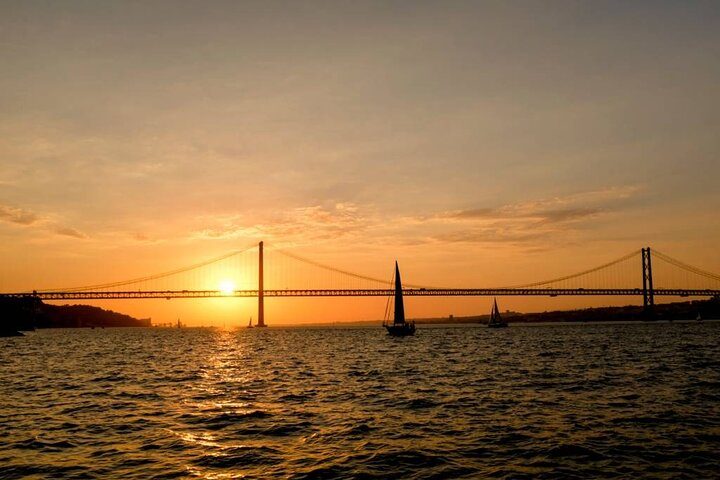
[[625, 400]]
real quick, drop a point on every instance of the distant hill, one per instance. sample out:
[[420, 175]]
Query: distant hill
[[79, 316], [707, 309], [689, 310], [18, 314]]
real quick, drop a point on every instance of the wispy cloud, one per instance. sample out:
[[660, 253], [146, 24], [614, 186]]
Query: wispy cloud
[[531, 223], [69, 232], [553, 209], [26, 218], [17, 215], [518, 211], [534, 220], [311, 223]]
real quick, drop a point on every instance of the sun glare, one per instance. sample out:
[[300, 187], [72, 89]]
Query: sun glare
[[227, 287]]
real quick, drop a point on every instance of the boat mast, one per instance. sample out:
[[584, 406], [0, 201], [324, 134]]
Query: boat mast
[[399, 307]]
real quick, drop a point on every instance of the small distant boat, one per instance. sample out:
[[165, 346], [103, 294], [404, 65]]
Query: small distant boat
[[496, 320], [698, 318], [399, 327], [250, 325], [179, 325]]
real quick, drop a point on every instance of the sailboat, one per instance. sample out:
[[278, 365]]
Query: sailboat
[[250, 325], [496, 320], [399, 327]]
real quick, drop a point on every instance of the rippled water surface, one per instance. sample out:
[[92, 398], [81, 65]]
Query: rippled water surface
[[585, 401]]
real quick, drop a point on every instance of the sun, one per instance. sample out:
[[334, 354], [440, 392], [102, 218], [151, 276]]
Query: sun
[[227, 287]]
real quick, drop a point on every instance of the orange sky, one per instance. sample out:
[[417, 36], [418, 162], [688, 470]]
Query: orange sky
[[478, 144]]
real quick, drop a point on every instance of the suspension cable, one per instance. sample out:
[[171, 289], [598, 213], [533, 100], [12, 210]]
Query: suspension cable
[[575, 275], [150, 277], [685, 266], [337, 270]]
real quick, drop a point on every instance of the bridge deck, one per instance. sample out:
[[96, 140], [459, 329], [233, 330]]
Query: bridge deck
[[414, 292]]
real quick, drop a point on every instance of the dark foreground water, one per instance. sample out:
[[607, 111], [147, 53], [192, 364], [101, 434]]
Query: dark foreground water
[[586, 401]]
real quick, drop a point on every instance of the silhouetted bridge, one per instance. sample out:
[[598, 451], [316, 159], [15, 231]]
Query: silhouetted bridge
[[625, 276], [374, 292]]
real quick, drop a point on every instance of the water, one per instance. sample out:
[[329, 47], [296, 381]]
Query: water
[[586, 401]]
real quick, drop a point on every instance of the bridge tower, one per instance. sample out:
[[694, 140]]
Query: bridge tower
[[648, 292], [261, 291]]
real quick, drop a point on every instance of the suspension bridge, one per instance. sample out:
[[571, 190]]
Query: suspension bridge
[[247, 273]]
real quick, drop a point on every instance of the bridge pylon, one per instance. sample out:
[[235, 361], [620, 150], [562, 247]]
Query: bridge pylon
[[261, 290], [648, 291]]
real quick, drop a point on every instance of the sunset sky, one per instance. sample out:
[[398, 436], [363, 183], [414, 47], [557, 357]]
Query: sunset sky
[[479, 143]]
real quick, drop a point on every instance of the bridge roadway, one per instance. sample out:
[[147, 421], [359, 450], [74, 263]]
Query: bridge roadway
[[411, 292]]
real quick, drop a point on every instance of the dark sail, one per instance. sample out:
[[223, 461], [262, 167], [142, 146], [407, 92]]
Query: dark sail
[[399, 327], [399, 307], [496, 320]]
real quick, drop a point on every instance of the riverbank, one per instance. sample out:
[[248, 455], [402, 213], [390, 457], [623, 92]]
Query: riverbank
[[25, 314], [705, 309], [689, 310]]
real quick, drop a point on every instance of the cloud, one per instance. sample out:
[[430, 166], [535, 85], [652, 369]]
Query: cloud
[[518, 212], [17, 215], [491, 235], [475, 213], [569, 214], [531, 221], [68, 232], [534, 223], [309, 223], [555, 209], [26, 218]]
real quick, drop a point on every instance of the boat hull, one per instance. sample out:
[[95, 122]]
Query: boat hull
[[401, 330], [497, 325]]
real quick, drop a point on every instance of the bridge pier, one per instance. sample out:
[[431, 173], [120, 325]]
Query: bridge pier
[[648, 291], [261, 291]]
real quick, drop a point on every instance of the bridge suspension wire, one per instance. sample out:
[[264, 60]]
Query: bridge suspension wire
[[158, 276], [237, 271], [573, 276], [685, 266], [329, 268], [672, 273]]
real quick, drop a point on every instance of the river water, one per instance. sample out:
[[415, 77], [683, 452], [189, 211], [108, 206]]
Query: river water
[[554, 401]]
